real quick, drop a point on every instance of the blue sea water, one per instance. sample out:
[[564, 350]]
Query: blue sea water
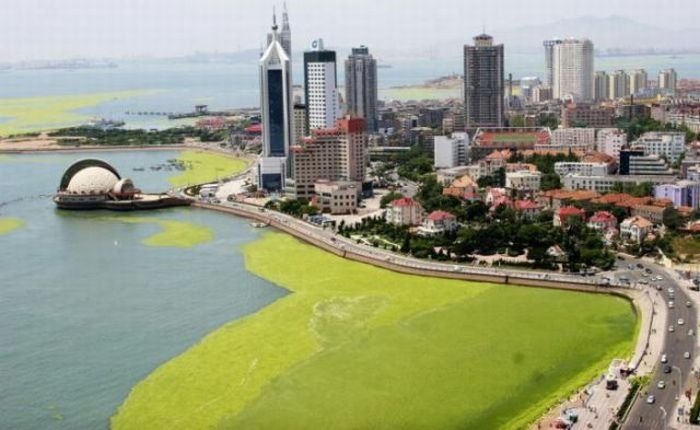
[[178, 86], [87, 310]]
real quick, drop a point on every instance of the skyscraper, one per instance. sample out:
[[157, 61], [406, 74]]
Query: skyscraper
[[483, 83], [361, 86], [320, 87], [276, 113], [572, 64], [601, 87], [638, 81], [549, 60], [618, 85], [668, 80]]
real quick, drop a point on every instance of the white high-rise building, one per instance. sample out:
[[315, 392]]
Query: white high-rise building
[[572, 64], [611, 140], [321, 87], [618, 86], [276, 114], [601, 87], [451, 151], [549, 60], [668, 80], [638, 81]]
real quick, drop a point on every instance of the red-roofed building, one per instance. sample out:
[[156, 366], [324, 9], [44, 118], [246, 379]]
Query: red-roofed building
[[405, 211], [564, 215], [527, 208], [603, 221], [438, 222]]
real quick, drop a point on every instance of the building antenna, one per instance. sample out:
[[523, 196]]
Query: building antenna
[[274, 18]]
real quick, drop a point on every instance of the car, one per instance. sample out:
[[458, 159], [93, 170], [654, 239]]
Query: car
[[658, 288], [688, 304], [681, 321], [644, 282], [659, 278], [651, 399], [640, 266], [670, 305], [645, 275], [671, 297], [671, 329], [691, 332], [671, 291], [664, 358], [667, 369], [686, 355], [661, 385]]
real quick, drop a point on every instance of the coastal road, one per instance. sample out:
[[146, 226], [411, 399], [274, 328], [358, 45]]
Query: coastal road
[[657, 415]]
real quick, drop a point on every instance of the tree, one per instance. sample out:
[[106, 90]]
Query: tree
[[672, 219], [388, 198]]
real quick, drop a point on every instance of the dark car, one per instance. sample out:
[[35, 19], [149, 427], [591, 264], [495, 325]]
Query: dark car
[[667, 369]]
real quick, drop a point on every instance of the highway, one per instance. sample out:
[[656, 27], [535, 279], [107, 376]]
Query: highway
[[657, 415]]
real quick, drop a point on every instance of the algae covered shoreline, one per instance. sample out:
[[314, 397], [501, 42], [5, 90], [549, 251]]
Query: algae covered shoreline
[[367, 346]]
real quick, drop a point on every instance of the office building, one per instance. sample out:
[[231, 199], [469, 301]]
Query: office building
[[574, 138], [361, 86], [601, 86], [668, 80], [276, 114], [638, 81], [451, 151], [336, 197], [523, 180], [320, 87], [572, 64], [606, 184], [549, 60], [333, 154], [635, 162], [483, 83], [564, 168], [300, 122]]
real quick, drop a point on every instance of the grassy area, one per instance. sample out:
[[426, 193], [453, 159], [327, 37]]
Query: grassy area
[[8, 225], [514, 137], [360, 347], [177, 234], [30, 114], [688, 246], [206, 167]]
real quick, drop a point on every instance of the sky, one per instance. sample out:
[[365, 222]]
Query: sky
[[51, 29]]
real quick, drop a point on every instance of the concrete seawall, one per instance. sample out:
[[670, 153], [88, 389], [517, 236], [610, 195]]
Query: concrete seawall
[[262, 217]]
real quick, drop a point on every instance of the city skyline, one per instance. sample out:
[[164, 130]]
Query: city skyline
[[78, 28]]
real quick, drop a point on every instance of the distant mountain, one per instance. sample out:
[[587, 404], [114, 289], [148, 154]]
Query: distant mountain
[[612, 32]]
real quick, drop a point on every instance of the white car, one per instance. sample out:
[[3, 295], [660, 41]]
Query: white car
[[651, 399], [686, 355], [680, 321], [661, 385], [671, 329], [671, 291], [670, 305], [691, 332], [664, 358]]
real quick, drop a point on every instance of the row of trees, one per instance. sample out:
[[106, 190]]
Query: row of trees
[[122, 137]]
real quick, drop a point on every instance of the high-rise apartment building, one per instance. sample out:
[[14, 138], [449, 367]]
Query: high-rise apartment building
[[668, 80], [483, 83], [572, 64], [361, 86], [276, 114], [618, 85], [321, 87], [549, 60], [334, 154], [638, 81], [601, 86]]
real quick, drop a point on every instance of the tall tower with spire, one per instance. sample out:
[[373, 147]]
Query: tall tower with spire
[[286, 33], [276, 112]]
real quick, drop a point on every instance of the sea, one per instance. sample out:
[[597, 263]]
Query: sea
[[177, 86], [87, 310]]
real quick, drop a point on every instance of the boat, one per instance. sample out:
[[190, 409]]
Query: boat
[[258, 225]]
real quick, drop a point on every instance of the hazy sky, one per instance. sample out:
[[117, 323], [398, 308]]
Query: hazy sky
[[31, 29]]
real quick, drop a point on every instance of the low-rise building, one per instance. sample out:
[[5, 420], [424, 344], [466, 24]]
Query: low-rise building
[[653, 213], [554, 199], [336, 197], [574, 138], [586, 115], [464, 186], [670, 145], [405, 211], [567, 214], [523, 180], [564, 168], [635, 229], [438, 222], [527, 209], [682, 193], [602, 221], [605, 184]]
